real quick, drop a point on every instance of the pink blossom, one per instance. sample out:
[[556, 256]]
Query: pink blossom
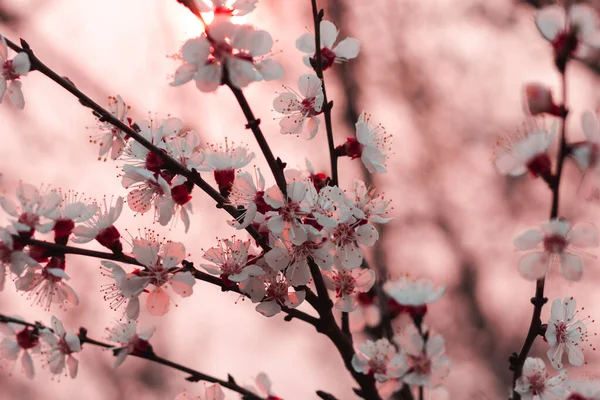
[[11, 71], [230, 261], [224, 161], [278, 294], [132, 341], [101, 227], [536, 384], [378, 358], [344, 241], [12, 255], [372, 144], [285, 220], [413, 295], [555, 242], [301, 106], [113, 292], [244, 193], [345, 50], [347, 284], [62, 346], [108, 137]]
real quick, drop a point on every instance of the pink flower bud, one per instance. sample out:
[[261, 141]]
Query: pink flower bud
[[538, 100]]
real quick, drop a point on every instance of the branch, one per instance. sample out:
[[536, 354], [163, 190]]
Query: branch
[[106, 116], [327, 106], [195, 376], [517, 360]]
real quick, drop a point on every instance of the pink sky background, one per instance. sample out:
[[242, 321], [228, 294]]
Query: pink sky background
[[443, 76]]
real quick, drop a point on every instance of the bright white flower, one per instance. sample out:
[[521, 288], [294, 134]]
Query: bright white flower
[[347, 284], [285, 221], [372, 144], [21, 340], [573, 31], [298, 107], [423, 362], [62, 346], [535, 383], [278, 295], [246, 194], [344, 241], [345, 50], [12, 256], [230, 262], [213, 392], [378, 358], [368, 205], [147, 189], [11, 71], [555, 242], [101, 228], [525, 151], [47, 284], [242, 49], [235, 8], [160, 261], [413, 295], [293, 259], [224, 161], [133, 342], [33, 208], [565, 331], [113, 292], [110, 138]]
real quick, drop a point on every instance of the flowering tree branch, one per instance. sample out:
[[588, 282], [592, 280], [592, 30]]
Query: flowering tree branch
[[195, 376]]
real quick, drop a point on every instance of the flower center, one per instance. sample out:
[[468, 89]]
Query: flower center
[[378, 364], [328, 57], [344, 283], [538, 384], [561, 332], [277, 291], [555, 244], [27, 338], [180, 194], [343, 235]]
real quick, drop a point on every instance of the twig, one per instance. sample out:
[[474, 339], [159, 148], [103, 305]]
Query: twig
[[149, 355]]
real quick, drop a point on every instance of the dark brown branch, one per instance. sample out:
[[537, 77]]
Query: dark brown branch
[[106, 116], [149, 355]]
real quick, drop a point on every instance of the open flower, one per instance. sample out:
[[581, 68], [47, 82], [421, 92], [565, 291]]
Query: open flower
[[72, 209], [525, 151], [536, 384], [278, 295], [147, 189], [21, 340], [230, 262], [246, 194], [380, 359], [345, 50], [412, 295], [110, 138], [11, 71], [285, 220], [224, 161], [347, 285], [555, 242], [114, 291], [132, 342], [344, 241], [101, 227], [302, 106], [372, 143], [423, 361], [565, 331], [12, 256], [62, 346], [213, 392]]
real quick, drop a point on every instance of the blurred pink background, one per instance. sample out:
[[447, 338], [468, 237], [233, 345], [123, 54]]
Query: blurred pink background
[[443, 76]]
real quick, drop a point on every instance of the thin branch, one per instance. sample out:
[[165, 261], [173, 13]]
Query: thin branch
[[517, 360], [327, 106], [106, 116], [149, 355]]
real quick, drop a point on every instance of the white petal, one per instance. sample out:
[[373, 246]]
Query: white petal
[[347, 48], [550, 20], [528, 240], [329, 34], [534, 266], [571, 266], [306, 43]]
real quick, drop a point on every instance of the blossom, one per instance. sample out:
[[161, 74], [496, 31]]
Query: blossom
[[525, 151], [347, 284], [133, 342], [72, 209], [139, 156], [537, 99], [246, 194], [47, 284], [565, 331], [285, 220], [62, 346], [378, 358], [298, 107], [536, 384], [413, 295], [101, 227], [11, 255], [242, 49], [33, 208], [328, 206], [367, 205], [344, 240], [213, 392], [236, 8], [293, 259], [21, 339], [423, 361], [11, 71], [113, 292], [586, 154], [555, 242], [110, 138], [230, 261], [345, 50], [160, 261], [224, 161], [263, 387], [372, 143], [572, 30], [278, 295]]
